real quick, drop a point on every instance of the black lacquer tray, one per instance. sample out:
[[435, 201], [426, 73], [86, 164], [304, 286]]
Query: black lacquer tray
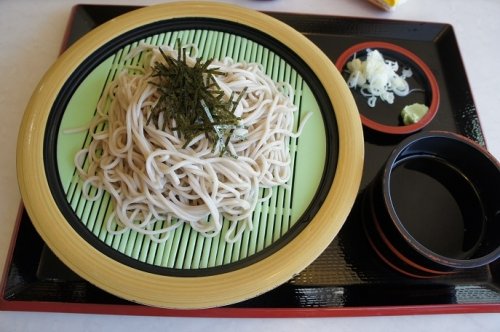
[[348, 278]]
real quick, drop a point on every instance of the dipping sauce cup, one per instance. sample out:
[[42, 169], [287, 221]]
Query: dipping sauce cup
[[434, 208]]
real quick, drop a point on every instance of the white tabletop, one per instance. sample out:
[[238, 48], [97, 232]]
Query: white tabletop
[[31, 34]]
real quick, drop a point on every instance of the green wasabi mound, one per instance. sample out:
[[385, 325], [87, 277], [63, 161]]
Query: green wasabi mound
[[413, 113]]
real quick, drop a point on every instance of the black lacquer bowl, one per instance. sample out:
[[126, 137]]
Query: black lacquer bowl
[[434, 207]]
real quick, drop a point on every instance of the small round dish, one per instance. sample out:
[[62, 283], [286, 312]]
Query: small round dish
[[291, 228], [385, 117], [434, 208]]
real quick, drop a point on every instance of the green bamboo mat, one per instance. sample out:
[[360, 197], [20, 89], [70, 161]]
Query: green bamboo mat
[[187, 249]]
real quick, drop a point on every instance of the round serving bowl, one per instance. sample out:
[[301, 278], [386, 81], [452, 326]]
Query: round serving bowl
[[291, 226], [384, 117], [434, 208]]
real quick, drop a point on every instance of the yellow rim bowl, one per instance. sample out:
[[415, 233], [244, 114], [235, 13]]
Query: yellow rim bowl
[[188, 292]]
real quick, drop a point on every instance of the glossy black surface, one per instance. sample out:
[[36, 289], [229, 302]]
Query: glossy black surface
[[348, 273]]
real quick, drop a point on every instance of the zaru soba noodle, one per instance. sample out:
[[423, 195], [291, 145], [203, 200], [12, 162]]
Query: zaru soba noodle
[[162, 169]]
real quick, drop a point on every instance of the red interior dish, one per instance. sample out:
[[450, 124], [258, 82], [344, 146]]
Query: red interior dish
[[417, 65]]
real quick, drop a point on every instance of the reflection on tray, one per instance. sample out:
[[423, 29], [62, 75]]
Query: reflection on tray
[[347, 274]]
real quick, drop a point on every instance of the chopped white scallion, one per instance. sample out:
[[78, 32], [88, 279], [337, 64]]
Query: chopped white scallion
[[378, 78]]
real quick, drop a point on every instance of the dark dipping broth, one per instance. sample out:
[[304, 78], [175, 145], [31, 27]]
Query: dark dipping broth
[[437, 206]]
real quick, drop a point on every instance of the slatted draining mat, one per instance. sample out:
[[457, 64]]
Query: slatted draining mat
[[186, 249]]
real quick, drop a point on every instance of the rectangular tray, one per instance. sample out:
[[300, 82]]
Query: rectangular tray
[[347, 279]]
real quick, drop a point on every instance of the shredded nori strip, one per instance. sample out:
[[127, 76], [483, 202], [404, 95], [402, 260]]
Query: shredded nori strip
[[191, 98]]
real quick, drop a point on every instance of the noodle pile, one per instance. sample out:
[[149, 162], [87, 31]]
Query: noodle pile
[[157, 182]]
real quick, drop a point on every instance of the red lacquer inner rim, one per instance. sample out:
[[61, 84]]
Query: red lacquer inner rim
[[431, 80]]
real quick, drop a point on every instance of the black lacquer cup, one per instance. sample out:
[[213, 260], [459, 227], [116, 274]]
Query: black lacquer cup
[[434, 208]]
